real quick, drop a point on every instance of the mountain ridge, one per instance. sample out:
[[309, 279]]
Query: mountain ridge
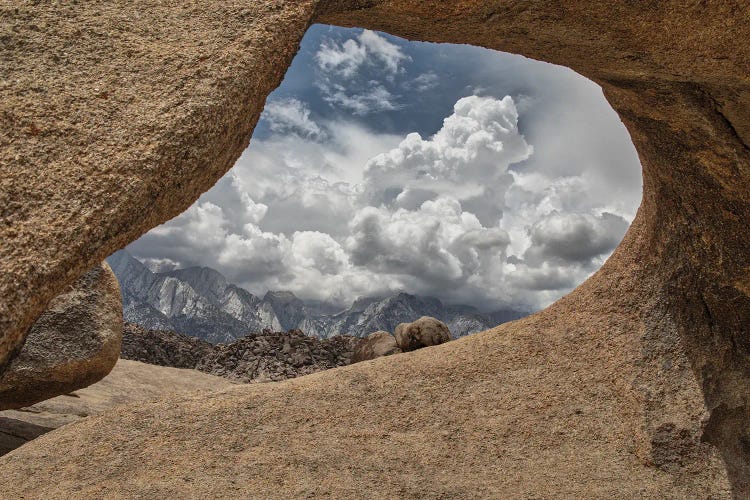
[[201, 302]]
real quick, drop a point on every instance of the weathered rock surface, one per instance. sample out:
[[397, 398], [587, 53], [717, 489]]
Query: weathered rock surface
[[128, 382], [75, 343], [257, 357], [376, 345], [114, 117], [424, 332]]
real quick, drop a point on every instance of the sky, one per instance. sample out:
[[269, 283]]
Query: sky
[[381, 165]]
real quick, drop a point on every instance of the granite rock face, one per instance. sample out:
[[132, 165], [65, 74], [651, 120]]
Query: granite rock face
[[376, 345], [75, 343], [128, 382], [115, 117], [98, 148]]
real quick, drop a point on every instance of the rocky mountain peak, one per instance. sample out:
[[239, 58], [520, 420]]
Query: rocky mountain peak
[[207, 282], [200, 302]]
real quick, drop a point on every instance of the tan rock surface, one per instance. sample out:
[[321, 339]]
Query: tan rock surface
[[376, 345], [114, 117], [75, 343], [636, 385], [129, 381]]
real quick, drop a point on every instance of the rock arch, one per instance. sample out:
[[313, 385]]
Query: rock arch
[[116, 117]]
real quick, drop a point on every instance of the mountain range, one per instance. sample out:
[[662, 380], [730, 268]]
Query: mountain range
[[200, 302]]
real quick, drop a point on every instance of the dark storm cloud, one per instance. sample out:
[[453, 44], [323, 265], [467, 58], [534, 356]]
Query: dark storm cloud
[[574, 238]]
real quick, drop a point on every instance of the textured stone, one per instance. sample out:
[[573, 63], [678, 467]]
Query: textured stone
[[128, 382], [376, 345], [115, 117], [75, 343], [273, 356], [637, 384], [424, 332]]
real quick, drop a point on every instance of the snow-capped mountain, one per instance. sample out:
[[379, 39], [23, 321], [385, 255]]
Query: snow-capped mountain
[[198, 301]]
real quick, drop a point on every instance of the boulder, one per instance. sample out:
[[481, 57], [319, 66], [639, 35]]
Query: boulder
[[73, 344], [424, 332], [374, 346]]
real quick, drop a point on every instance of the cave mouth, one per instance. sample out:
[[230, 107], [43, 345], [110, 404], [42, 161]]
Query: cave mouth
[[381, 166]]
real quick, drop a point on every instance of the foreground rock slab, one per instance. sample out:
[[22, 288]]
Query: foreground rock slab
[[129, 381], [527, 413], [75, 343]]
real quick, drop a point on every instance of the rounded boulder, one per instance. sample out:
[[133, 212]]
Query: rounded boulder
[[424, 332], [374, 346], [73, 344]]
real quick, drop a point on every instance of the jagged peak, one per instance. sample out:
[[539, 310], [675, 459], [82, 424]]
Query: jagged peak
[[282, 296]]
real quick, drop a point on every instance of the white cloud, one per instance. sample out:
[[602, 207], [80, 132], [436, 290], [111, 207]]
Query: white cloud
[[350, 73], [375, 99], [390, 54], [291, 116], [344, 59], [347, 57], [467, 158], [438, 242]]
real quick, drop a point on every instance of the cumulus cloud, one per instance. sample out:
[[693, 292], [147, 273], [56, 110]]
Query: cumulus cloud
[[467, 158], [444, 213], [439, 242], [332, 208], [574, 237]]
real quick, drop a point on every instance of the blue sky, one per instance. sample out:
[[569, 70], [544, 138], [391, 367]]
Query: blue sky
[[382, 165]]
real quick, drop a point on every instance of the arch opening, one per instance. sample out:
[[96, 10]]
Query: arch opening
[[491, 182]]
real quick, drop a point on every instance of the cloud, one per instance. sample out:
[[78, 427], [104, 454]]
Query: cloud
[[424, 82], [544, 278], [298, 212], [438, 242], [344, 59], [351, 73], [574, 237], [453, 203], [291, 116], [375, 99], [467, 158], [347, 57]]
